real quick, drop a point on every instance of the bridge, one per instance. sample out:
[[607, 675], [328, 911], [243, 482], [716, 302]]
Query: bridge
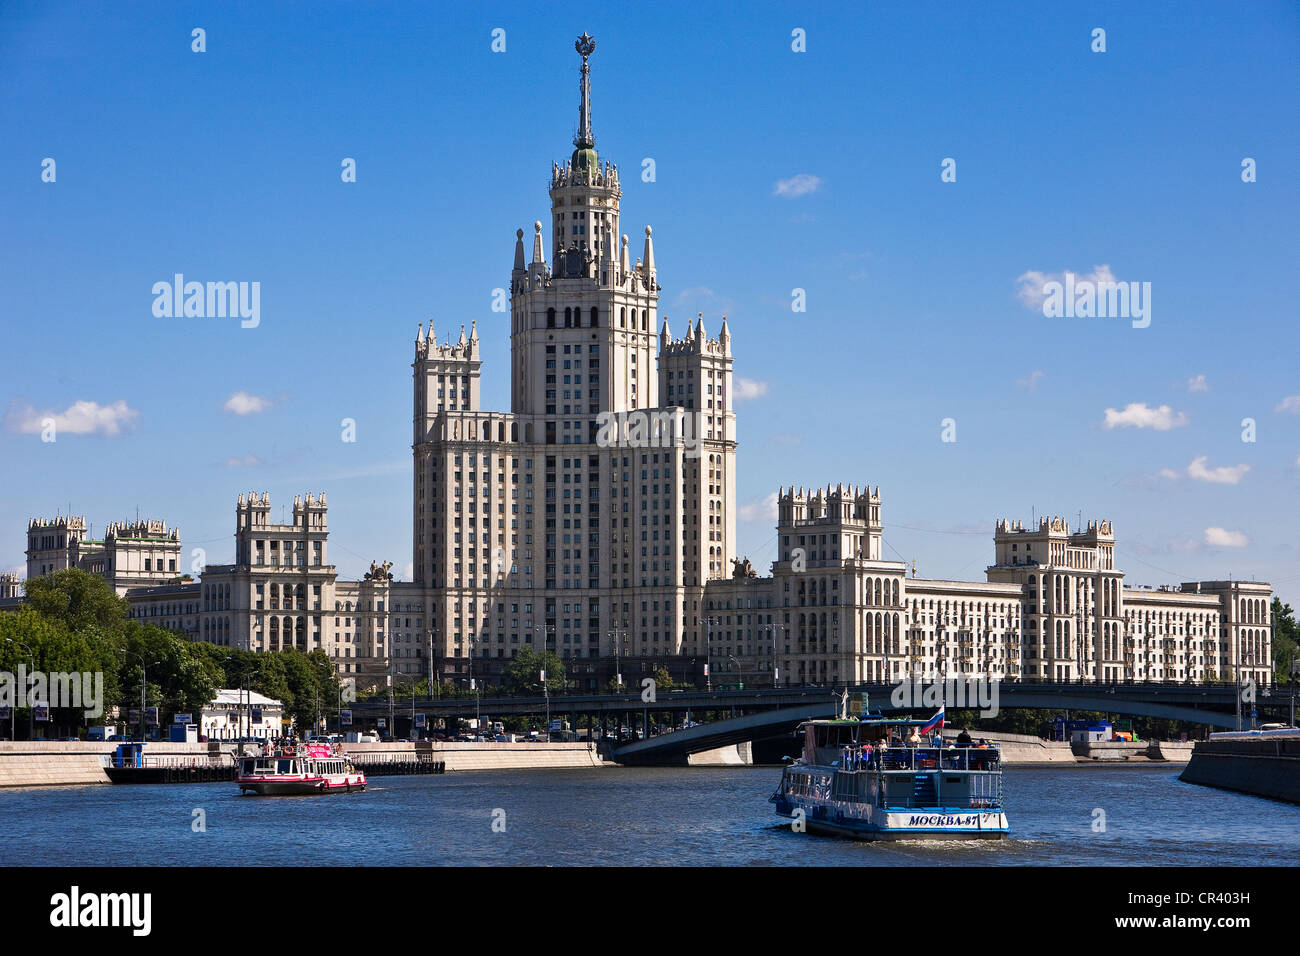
[[1213, 705], [759, 714]]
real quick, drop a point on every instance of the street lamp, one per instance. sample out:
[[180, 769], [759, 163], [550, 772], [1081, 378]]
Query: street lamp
[[245, 730], [13, 710], [617, 635], [144, 665], [708, 623], [776, 671]]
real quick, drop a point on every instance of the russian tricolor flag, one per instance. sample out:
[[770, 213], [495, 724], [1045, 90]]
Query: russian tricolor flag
[[934, 723]]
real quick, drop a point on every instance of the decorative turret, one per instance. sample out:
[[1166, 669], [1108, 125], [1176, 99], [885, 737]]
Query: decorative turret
[[648, 257]]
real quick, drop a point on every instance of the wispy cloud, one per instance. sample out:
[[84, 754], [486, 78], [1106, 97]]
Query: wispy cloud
[[1222, 538], [1140, 415], [242, 403], [243, 461], [764, 510], [1031, 380], [1290, 405], [1223, 475], [747, 389], [796, 186], [79, 418], [1032, 283], [1197, 383]]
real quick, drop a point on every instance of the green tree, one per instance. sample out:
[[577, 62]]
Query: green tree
[[181, 677], [1286, 640], [78, 600], [523, 674]]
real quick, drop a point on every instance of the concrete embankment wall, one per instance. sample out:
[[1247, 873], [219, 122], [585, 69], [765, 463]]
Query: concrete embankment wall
[[1023, 750], [1145, 751], [69, 763], [490, 755], [1264, 768], [1174, 751], [1109, 749], [733, 755]]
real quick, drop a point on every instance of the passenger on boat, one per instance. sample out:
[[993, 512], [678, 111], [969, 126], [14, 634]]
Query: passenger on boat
[[915, 738], [963, 738]]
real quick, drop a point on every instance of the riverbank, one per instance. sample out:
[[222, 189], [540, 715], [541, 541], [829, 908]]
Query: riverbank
[[1263, 766], [76, 763]]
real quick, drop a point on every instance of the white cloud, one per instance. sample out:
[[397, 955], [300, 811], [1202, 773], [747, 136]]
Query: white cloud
[[79, 418], [243, 461], [1032, 282], [1168, 473], [242, 403], [1222, 538], [1140, 415], [747, 388], [1290, 404], [1031, 380], [796, 186], [764, 510], [1198, 384], [1223, 475]]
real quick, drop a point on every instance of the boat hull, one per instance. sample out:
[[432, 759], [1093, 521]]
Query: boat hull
[[922, 823], [302, 787]]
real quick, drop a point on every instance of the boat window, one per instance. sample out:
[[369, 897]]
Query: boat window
[[284, 766]]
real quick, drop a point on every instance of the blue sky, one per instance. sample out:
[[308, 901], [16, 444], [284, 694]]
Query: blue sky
[[225, 165]]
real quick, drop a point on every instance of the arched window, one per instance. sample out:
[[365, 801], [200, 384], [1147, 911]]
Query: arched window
[[550, 318], [622, 318], [595, 316]]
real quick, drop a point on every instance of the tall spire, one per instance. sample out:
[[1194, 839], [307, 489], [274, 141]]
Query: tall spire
[[584, 139]]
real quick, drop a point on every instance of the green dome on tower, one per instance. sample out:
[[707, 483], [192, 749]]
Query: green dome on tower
[[584, 157]]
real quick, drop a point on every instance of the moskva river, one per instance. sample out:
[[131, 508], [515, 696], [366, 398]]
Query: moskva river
[[697, 816]]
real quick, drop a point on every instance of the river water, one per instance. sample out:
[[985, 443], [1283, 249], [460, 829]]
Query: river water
[[632, 816]]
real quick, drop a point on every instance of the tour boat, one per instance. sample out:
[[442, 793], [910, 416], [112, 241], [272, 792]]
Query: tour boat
[[298, 769], [860, 778]]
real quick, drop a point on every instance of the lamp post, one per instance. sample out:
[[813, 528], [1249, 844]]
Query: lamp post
[[391, 717], [776, 670], [13, 710], [708, 623], [617, 635], [245, 730], [144, 665]]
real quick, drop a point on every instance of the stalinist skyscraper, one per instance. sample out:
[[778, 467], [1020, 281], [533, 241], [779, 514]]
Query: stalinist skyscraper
[[587, 519]]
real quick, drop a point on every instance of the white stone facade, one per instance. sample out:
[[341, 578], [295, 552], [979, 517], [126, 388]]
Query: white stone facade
[[131, 554]]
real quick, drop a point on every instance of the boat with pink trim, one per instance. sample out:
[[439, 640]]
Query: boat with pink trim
[[298, 769]]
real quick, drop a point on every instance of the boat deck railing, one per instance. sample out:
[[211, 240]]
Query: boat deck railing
[[913, 757]]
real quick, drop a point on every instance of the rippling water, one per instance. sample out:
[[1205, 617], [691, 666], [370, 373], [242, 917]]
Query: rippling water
[[628, 817]]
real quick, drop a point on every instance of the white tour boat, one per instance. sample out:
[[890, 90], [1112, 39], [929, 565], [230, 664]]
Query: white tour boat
[[299, 769], [865, 779]]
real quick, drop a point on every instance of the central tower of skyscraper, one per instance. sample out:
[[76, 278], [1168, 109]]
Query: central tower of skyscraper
[[592, 303], [533, 527]]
